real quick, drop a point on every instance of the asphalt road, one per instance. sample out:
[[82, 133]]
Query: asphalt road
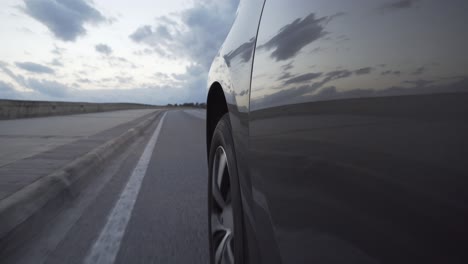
[[148, 206]]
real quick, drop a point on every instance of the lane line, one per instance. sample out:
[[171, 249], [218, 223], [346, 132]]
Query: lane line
[[107, 245]]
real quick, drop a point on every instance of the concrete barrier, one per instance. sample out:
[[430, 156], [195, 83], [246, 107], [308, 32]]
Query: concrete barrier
[[11, 109]]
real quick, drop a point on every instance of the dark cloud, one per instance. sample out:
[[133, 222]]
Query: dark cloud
[[363, 71], [419, 71], [44, 87], [194, 34], [293, 37], [298, 94], [35, 68], [287, 66], [419, 83], [397, 73], [277, 98], [303, 78], [64, 18], [17, 78], [103, 48], [398, 5], [142, 34], [303, 94], [415, 87], [244, 52], [285, 75], [334, 75]]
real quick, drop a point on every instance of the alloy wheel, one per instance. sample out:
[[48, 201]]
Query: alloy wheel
[[222, 219]]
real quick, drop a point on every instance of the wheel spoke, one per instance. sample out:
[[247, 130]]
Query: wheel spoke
[[221, 167], [221, 220], [229, 251], [223, 252], [218, 197], [218, 173]]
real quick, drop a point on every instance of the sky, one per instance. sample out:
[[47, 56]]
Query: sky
[[142, 51]]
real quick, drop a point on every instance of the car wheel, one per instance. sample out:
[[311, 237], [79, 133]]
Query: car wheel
[[224, 203]]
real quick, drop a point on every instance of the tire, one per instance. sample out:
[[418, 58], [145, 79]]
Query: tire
[[224, 202]]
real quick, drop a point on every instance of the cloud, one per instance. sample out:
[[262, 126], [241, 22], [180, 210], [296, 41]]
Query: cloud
[[303, 78], [363, 71], [244, 52], [124, 79], [142, 34], [398, 5], [17, 78], [287, 66], [194, 34], [293, 37], [50, 88], [7, 91], [84, 80], [389, 72], [415, 88], [419, 83], [64, 18], [303, 94], [285, 75], [103, 48], [419, 71], [58, 50], [120, 62], [5, 87], [35, 68], [56, 62]]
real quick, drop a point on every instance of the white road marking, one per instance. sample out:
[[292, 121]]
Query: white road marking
[[106, 247]]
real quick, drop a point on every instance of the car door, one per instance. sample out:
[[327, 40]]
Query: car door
[[357, 131]]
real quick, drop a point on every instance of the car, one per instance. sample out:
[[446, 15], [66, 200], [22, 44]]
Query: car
[[337, 132]]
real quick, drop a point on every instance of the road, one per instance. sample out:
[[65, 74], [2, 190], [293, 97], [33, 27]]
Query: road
[[147, 206]]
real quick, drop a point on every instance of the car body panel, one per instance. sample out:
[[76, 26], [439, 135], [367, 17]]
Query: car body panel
[[350, 128], [358, 131], [232, 69]]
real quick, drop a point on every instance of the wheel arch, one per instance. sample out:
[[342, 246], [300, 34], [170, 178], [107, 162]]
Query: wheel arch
[[216, 107]]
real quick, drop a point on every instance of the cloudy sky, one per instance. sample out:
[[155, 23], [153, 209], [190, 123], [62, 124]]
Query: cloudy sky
[[145, 51]]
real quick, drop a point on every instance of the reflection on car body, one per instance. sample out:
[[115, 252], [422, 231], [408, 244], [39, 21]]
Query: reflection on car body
[[349, 123]]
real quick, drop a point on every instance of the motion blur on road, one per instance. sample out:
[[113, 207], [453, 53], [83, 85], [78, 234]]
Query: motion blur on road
[[147, 205]]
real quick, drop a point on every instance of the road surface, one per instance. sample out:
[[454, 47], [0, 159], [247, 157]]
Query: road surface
[[148, 206]]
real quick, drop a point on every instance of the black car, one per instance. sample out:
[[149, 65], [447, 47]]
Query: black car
[[337, 132]]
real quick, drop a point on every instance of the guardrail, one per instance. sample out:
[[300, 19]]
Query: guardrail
[[12, 109]]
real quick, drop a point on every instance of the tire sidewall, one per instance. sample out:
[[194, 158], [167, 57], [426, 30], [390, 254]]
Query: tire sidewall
[[222, 136]]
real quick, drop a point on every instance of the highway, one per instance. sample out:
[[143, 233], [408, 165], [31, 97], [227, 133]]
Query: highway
[[148, 205]]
